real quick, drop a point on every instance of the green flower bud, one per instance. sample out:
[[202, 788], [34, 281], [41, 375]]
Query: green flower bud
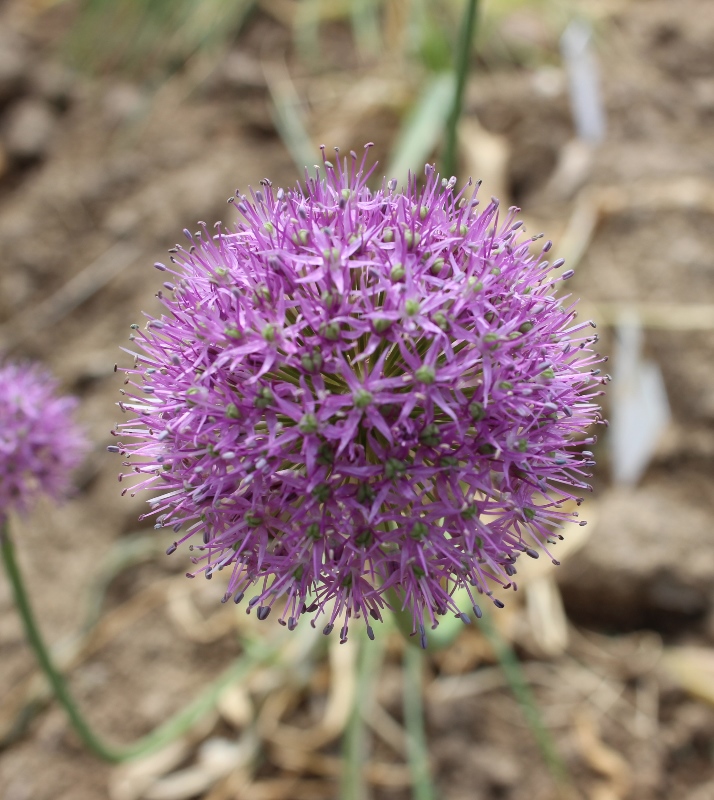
[[477, 411], [469, 512], [425, 374], [364, 538], [430, 436], [394, 468], [313, 530], [322, 492], [308, 424], [397, 272], [362, 398], [412, 307], [331, 331], [264, 398], [412, 238], [419, 530], [365, 493], [441, 321], [463, 229]]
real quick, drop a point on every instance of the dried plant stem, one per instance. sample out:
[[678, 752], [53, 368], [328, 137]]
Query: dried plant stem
[[160, 736], [418, 753], [461, 68]]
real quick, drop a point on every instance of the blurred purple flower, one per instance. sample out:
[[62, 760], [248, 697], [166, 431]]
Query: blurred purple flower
[[353, 392], [39, 442]]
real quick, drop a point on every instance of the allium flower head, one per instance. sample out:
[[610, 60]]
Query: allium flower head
[[39, 442], [356, 391]]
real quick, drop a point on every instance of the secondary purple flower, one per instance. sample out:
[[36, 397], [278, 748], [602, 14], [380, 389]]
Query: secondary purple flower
[[353, 392], [39, 442]]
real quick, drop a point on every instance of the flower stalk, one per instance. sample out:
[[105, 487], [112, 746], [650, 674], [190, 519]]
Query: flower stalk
[[165, 733], [418, 751], [34, 637], [354, 751]]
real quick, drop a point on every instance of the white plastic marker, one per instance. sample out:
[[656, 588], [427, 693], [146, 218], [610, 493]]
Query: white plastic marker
[[583, 81], [639, 406]]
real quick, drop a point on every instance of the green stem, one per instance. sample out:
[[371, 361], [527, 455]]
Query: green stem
[[461, 66], [516, 680], [57, 683], [167, 732], [418, 753], [185, 719], [352, 785]]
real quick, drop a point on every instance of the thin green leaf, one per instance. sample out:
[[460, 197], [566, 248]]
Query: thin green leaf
[[418, 752], [289, 122], [306, 30], [352, 785], [366, 27], [521, 691], [423, 128], [138, 37]]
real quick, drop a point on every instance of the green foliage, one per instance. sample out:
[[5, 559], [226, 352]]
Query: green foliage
[[423, 126], [142, 37]]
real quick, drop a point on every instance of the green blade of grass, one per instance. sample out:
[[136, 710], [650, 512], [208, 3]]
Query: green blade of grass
[[140, 38], [288, 119], [306, 30], [461, 67], [417, 750], [352, 786], [521, 691], [366, 27], [423, 127]]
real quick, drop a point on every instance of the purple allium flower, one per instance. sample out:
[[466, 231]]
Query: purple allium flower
[[354, 392], [39, 442]]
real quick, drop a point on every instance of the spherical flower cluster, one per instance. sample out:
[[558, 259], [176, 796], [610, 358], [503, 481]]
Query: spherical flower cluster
[[39, 442], [355, 395]]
